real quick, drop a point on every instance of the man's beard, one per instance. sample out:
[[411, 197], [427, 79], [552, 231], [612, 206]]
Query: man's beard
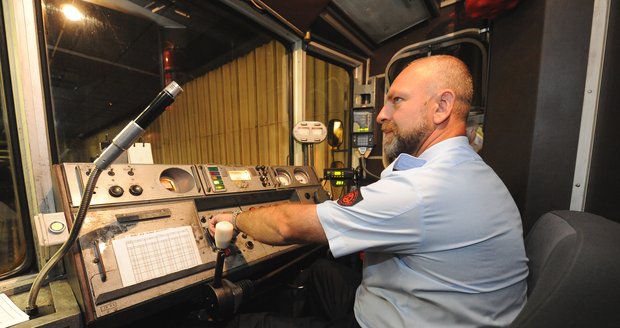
[[408, 144]]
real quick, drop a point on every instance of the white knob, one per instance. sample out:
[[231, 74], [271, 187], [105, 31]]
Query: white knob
[[223, 234]]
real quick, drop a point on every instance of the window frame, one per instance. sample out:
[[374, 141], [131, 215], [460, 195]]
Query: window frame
[[15, 158]]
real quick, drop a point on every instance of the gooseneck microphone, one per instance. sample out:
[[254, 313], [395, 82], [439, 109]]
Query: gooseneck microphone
[[136, 128]]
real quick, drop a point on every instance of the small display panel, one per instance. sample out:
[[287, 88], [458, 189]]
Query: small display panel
[[362, 120], [363, 140], [242, 175], [338, 174]]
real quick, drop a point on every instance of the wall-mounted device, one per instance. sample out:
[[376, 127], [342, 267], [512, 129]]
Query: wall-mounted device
[[362, 133], [309, 133], [339, 177]]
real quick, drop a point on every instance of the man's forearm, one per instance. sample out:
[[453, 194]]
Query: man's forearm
[[282, 224]]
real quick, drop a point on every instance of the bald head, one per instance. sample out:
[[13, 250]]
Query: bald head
[[427, 103], [446, 72]]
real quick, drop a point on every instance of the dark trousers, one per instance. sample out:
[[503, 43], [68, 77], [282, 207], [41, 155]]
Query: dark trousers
[[330, 293]]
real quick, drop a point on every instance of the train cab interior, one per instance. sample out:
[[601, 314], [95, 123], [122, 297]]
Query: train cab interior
[[128, 124]]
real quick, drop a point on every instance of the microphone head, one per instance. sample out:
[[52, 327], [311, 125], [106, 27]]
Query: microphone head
[[223, 234], [173, 89]]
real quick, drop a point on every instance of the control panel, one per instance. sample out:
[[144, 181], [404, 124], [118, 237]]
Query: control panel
[[231, 179], [133, 183], [145, 236]]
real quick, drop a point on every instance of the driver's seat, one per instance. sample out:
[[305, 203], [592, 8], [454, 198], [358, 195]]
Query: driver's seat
[[574, 272]]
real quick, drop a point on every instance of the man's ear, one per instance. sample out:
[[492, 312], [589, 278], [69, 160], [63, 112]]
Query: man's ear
[[445, 106]]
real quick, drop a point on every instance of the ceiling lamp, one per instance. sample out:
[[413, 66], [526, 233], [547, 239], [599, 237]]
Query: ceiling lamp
[[72, 13]]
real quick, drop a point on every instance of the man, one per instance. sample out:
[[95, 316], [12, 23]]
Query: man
[[441, 234]]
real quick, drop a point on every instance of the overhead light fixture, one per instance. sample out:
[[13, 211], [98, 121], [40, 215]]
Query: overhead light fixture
[[72, 13], [381, 19]]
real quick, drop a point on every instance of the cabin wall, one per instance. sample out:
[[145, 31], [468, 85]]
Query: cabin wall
[[539, 54], [604, 184], [516, 47]]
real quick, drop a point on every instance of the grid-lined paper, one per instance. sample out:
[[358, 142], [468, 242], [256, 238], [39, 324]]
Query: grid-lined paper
[[155, 254]]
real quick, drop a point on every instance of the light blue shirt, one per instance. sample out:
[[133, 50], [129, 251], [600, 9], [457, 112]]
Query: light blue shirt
[[443, 242]]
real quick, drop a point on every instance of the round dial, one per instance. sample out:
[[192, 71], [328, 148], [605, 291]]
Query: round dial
[[301, 177], [283, 177]]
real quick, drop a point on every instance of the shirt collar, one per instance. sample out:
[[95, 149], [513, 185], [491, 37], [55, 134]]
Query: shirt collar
[[406, 161]]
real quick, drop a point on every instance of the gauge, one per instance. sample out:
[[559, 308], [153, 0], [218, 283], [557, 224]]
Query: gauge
[[283, 177], [301, 176]]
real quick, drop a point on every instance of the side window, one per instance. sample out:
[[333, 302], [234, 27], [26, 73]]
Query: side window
[[107, 61], [236, 113]]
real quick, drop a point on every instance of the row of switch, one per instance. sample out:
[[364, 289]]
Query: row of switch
[[262, 175]]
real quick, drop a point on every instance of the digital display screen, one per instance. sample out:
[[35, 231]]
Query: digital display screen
[[243, 175], [337, 174], [362, 120], [363, 140]]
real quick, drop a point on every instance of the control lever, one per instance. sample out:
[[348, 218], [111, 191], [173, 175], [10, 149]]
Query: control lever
[[224, 297], [223, 236]]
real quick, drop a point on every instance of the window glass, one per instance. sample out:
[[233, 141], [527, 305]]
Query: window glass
[[108, 59], [328, 97]]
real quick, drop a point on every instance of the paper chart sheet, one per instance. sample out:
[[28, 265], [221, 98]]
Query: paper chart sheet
[[155, 254]]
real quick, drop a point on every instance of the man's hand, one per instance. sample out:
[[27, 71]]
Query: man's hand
[[218, 218]]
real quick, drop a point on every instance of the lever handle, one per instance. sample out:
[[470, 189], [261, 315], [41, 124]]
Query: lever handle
[[223, 234]]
